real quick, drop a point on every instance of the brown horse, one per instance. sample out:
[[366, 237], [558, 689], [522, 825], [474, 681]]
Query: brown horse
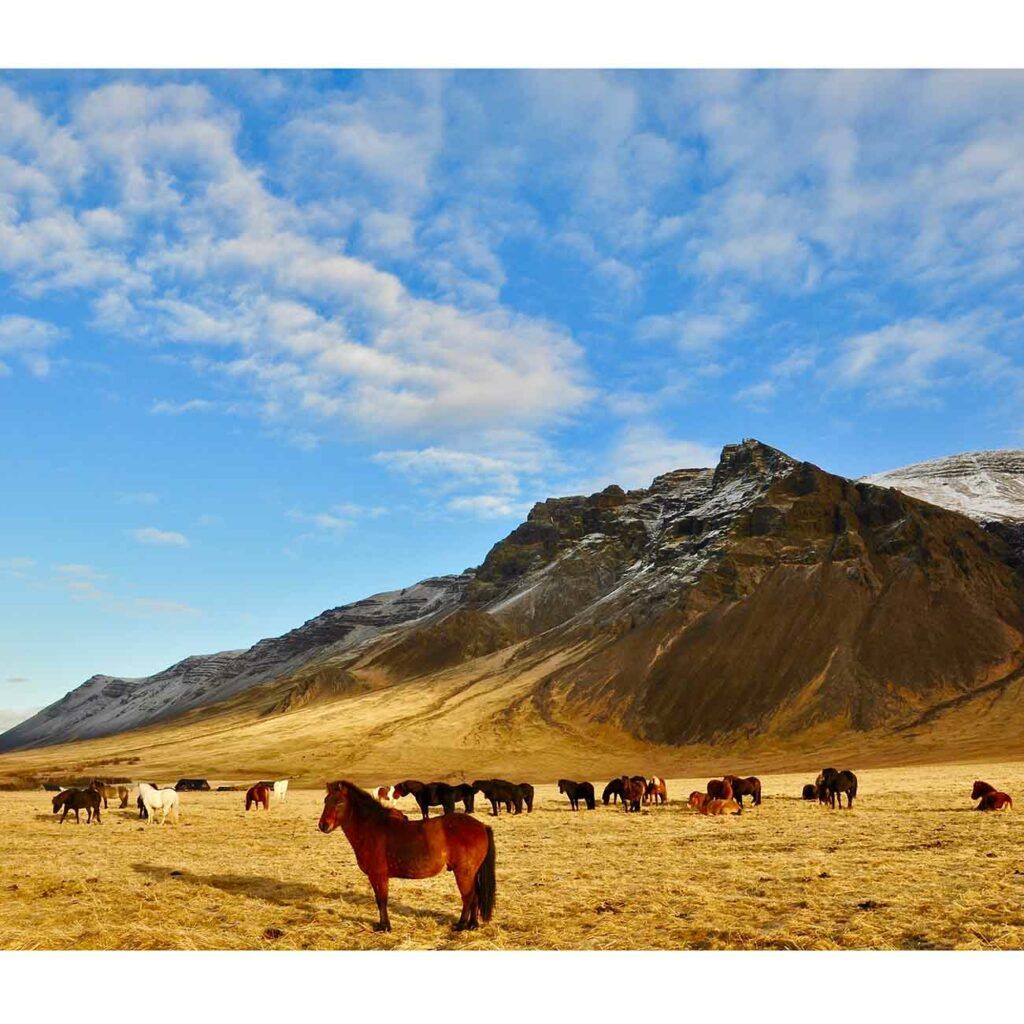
[[633, 790], [108, 792], [991, 798], [258, 794], [719, 789], [750, 786], [387, 846], [729, 806], [697, 800], [77, 800], [657, 791]]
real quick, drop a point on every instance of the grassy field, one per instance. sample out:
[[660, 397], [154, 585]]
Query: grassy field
[[910, 867]]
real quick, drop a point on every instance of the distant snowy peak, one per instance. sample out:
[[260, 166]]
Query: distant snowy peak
[[987, 486]]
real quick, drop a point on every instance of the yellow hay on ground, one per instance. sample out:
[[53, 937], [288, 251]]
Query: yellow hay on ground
[[912, 866]]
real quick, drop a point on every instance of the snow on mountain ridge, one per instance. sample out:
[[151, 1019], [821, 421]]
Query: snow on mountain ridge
[[987, 485]]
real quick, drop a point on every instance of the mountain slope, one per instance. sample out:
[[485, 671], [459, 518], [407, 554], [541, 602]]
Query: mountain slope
[[761, 602]]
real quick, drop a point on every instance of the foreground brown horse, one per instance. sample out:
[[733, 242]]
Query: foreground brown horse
[[697, 800], [258, 794], [77, 800], [991, 798], [387, 846], [750, 786], [719, 789], [108, 792]]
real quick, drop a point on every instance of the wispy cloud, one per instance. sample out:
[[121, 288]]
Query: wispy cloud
[[161, 538], [169, 408], [138, 498], [28, 339]]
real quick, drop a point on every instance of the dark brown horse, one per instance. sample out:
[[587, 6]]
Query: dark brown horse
[[809, 792], [386, 847], [578, 792], [633, 790], [719, 789], [110, 792], [835, 784], [526, 791], [500, 793], [427, 795], [991, 798], [77, 800], [750, 786], [258, 794]]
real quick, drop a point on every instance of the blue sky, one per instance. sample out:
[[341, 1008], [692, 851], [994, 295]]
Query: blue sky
[[272, 342]]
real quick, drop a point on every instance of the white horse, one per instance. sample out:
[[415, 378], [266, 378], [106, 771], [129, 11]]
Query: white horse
[[162, 800], [280, 789], [386, 796]]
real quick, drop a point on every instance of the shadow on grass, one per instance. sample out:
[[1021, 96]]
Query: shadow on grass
[[292, 894]]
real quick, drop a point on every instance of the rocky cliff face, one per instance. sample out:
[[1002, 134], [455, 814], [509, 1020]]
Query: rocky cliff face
[[762, 596]]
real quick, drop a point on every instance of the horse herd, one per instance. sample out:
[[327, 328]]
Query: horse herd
[[388, 845]]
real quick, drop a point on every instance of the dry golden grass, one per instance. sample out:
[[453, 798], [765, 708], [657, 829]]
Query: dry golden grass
[[911, 866]]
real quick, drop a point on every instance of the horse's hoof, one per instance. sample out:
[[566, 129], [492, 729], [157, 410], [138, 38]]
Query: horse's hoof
[[382, 927]]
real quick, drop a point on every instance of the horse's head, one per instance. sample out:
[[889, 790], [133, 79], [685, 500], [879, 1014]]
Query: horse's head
[[335, 805], [980, 789], [480, 786], [57, 801]]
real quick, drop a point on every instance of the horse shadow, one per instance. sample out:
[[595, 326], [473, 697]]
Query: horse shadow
[[281, 894]]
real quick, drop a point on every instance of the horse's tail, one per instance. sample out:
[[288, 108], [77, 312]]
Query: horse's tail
[[590, 801], [485, 883]]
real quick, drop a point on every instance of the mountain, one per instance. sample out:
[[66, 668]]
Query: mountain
[[761, 602]]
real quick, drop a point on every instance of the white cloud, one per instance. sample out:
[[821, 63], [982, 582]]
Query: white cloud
[[10, 717], [757, 395], [139, 498], [28, 339], [643, 451], [168, 408], [163, 538], [78, 570], [487, 506]]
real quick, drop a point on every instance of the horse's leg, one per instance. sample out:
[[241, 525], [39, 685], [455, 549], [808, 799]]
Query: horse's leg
[[465, 879], [380, 891]]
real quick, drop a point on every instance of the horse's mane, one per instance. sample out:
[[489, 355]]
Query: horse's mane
[[364, 806]]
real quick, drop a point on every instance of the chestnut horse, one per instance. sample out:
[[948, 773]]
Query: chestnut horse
[[750, 786], [258, 794], [109, 792], [388, 846], [719, 789], [656, 791], [991, 798], [729, 806], [697, 800]]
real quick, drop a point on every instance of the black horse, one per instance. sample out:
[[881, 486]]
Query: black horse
[[428, 794], [77, 800], [835, 785], [500, 792], [612, 792], [465, 792], [810, 792], [527, 793], [577, 791], [192, 786]]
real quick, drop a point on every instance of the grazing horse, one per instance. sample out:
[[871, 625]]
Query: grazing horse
[[258, 794], [656, 791], [809, 792], [833, 786], [633, 790], [500, 792], [719, 789], [387, 846], [77, 800], [991, 798], [577, 791], [427, 795], [716, 807], [163, 800], [612, 792], [526, 791], [108, 792], [192, 786], [750, 786]]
